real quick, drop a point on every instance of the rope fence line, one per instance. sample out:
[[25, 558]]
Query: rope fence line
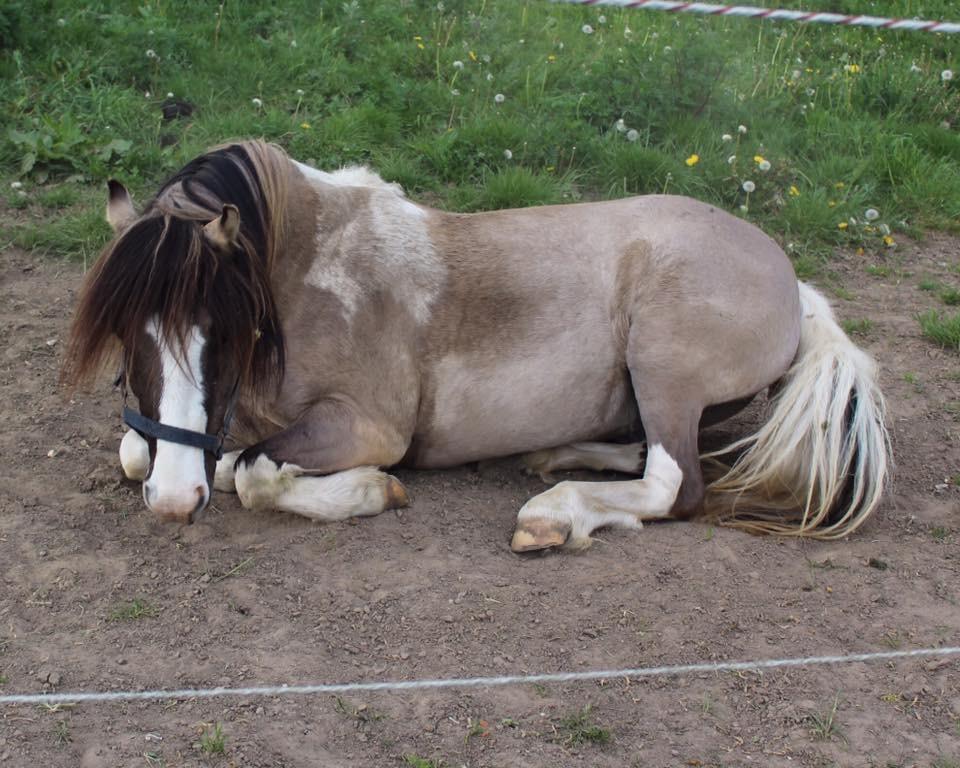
[[779, 14], [469, 682]]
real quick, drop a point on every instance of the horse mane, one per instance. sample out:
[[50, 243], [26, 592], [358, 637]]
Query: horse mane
[[162, 266]]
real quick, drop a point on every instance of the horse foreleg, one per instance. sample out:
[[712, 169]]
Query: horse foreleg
[[224, 477], [324, 466], [134, 456], [351, 493], [626, 458]]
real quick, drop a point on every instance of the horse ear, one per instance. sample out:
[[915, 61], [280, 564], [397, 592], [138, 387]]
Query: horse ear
[[120, 211], [223, 231]]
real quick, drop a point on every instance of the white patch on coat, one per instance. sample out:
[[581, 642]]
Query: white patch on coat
[[352, 493], [134, 456], [587, 506], [179, 470], [388, 240]]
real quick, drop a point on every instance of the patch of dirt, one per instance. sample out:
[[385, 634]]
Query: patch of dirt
[[246, 598]]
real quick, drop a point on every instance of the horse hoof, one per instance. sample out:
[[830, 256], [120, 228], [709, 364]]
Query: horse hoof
[[539, 533], [397, 496]]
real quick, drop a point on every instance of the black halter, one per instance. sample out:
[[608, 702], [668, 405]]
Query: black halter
[[149, 428]]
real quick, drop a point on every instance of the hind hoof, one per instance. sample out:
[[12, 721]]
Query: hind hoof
[[539, 533]]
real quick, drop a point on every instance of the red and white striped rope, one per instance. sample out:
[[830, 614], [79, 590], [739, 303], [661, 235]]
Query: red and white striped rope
[[778, 14]]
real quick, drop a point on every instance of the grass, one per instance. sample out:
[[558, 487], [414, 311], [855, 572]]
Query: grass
[[212, 740], [940, 533], [61, 733], [943, 330], [578, 728], [857, 327], [133, 610], [823, 725], [3, 679], [950, 297], [422, 762], [848, 119]]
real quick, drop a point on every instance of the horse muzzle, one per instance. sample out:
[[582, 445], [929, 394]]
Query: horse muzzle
[[182, 506]]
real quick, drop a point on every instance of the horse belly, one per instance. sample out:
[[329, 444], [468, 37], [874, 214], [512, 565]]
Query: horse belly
[[477, 408]]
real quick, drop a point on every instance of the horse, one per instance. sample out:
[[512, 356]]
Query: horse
[[290, 333]]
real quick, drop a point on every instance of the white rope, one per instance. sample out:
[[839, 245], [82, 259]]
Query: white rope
[[468, 682], [778, 14]]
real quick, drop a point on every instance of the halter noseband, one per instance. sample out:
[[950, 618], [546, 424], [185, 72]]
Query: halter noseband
[[149, 428]]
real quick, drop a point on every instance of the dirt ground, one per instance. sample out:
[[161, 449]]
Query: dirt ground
[[246, 598]]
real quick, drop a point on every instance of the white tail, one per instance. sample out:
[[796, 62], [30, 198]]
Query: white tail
[[824, 452]]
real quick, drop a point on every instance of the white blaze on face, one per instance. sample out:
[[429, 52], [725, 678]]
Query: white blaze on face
[[178, 483]]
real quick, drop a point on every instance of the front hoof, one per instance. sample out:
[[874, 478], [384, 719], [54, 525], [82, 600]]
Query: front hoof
[[396, 495], [539, 533]]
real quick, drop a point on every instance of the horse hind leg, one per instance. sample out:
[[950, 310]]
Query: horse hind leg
[[672, 486], [626, 458]]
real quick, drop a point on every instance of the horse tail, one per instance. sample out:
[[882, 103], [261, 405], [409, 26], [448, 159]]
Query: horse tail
[[820, 464]]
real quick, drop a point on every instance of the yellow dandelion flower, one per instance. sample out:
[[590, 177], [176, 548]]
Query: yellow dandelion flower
[[842, 225], [305, 126], [551, 57], [421, 46], [794, 192], [839, 185], [417, 37], [758, 159], [831, 203], [472, 55], [693, 160], [888, 241]]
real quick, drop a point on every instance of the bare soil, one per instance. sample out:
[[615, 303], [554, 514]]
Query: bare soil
[[246, 598]]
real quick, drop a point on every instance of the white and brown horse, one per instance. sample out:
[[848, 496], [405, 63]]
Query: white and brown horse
[[352, 330]]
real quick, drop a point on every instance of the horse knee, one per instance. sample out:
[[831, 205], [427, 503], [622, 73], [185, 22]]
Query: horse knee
[[134, 456]]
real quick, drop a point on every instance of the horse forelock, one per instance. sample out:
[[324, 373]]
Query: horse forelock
[[162, 269]]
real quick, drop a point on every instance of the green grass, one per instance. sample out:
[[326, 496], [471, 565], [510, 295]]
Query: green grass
[[422, 762], [133, 610], [3, 679], [944, 330], [823, 725], [849, 119], [213, 741], [578, 728], [857, 327], [950, 297]]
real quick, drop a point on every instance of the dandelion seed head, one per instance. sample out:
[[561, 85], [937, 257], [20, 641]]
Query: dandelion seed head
[[16, 185], [458, 64], [764, 165], [620, 125], [601, 19], [256, 102], [169, 94], [731, 160], [454, 91], [489, 77], [741, 129], [871, 214], [293, 43], [915, 68], [61, 22], [586, 29], [499, 98], [299, 91], [726, 137], [749, 186], [507, 154], [632, 135], [151, 54], [946, 75]]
